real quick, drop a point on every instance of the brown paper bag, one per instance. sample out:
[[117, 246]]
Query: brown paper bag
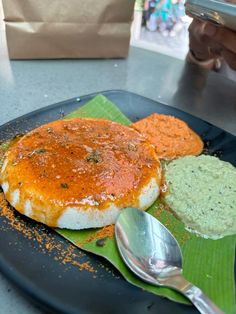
[[45, 29]]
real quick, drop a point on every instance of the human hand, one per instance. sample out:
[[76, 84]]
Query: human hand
[[200, 51], [221, 40], [197, 42], [209, 42]]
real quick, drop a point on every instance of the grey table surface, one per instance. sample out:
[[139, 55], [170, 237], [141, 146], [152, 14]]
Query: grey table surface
[[29, 85]]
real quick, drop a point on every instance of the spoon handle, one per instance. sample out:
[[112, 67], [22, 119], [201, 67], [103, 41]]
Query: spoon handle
[[194, 294], [201, 301]]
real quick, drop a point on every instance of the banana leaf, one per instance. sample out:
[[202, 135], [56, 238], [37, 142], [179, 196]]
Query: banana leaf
[[207, 263]]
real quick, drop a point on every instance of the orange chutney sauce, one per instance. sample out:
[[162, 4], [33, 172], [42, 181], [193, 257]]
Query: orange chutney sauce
[[170, 136]]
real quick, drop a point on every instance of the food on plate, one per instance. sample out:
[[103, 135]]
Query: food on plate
[[201, 191], [80, 173], [171, 136]]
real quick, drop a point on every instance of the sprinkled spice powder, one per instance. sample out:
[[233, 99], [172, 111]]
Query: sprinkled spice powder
[[107, 231], [47, 242], [159, 210], [101, 236]]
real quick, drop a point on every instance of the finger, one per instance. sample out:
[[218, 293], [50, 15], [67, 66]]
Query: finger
[[230, 58], [196, 43], [214, 47], [196, 28], [224, 36]]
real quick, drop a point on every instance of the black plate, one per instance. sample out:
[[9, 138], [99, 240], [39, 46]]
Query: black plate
[[64, 288]]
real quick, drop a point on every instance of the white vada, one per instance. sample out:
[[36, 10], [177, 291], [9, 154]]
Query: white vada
[[80, 173]]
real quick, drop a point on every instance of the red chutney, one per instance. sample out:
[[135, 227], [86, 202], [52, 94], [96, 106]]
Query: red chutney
[[170, 136], [79, 163]]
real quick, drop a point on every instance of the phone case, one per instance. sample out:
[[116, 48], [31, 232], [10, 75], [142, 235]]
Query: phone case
[[218, 12]]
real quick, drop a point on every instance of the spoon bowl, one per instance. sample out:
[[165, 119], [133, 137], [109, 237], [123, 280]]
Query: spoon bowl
[[150, 250]]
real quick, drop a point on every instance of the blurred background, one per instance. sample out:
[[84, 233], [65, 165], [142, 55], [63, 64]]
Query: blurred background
[[161, 26]]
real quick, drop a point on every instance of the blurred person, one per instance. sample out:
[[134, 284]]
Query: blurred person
[[177, 14], [148, 8], [161, 17], [167, 17], [178, 10]]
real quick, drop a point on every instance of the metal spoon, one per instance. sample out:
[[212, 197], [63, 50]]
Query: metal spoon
[[154, 255]]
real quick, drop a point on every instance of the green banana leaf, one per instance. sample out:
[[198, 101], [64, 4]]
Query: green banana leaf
[[209, 264]]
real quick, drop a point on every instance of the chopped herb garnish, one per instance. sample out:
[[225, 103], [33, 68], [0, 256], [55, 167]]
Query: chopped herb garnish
[[96, 202], [50, 130], [132, 147], [40, 151], [64, 185], [14, 162], [94, 157]]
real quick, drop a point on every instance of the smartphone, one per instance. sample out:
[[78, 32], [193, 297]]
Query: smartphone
[[219, 12]]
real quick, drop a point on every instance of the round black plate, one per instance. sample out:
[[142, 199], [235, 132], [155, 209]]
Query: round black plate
[[63, 288]]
